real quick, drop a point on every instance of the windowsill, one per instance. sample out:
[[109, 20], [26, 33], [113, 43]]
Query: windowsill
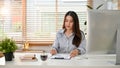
[[30, 51], [37, 43], [42, 43]]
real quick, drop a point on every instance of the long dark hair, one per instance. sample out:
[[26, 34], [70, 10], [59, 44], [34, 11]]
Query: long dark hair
[[78, 37]]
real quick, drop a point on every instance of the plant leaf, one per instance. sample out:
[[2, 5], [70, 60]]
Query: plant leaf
[[85, 23], [89, 7], [99, 6]]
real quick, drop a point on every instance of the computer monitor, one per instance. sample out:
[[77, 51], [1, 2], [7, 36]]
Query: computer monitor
[[102, 31]]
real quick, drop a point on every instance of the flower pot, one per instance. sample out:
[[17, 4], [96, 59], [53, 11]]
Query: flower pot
[[8, 56]]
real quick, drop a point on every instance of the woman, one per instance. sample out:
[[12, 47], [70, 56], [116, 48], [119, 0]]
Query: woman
[[70, 39]]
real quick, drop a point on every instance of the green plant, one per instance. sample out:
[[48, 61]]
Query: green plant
[[96, 8], [8, 45]]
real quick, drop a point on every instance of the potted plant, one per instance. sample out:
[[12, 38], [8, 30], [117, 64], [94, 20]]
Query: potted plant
[[8, 46]]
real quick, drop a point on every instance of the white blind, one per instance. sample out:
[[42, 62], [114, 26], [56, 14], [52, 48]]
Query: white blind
[[11, 19], [41, 18], [41, 21]]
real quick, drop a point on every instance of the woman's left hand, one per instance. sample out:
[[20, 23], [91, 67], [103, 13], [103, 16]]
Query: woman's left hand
[[74, 53]]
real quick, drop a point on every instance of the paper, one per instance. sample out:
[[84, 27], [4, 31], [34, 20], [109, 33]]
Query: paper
[[60, 56], [28, 57], [2, 60]]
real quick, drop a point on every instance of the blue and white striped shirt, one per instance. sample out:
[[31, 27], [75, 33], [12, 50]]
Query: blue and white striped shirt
[[63, 44]]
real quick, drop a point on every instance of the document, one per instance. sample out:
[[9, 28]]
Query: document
[[61, 56], [28, 57]]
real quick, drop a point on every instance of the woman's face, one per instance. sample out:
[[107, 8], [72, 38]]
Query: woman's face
[[69, 22]]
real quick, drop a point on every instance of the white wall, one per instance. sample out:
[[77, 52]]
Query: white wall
[[108, 4]]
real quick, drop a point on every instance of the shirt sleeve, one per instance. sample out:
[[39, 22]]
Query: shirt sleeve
[[56, 44], [82, 46]]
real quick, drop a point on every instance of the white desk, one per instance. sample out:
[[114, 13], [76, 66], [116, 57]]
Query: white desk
[[88, 61]]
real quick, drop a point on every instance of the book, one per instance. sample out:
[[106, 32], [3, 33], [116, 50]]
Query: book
[[28, 57]]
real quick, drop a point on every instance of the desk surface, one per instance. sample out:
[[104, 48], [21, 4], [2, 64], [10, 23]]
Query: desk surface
[[85, 61]]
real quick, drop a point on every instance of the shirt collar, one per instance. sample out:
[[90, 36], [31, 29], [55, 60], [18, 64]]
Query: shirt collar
[[62, 31]]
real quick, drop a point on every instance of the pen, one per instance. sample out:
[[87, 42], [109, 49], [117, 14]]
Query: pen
[[59, 57]]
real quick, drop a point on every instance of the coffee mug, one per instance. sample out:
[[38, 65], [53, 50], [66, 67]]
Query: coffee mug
[[43, 57]]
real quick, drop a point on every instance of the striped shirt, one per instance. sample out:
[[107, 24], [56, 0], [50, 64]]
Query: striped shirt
[[63, 44]]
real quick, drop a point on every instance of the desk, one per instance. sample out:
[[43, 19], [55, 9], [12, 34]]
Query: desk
[[86, 61]]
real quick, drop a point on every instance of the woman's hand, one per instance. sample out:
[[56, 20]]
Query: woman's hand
[[53, 51], [74, 53]]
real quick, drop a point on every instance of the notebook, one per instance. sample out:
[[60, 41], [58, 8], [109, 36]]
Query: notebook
[[28, 57], [60, 56]]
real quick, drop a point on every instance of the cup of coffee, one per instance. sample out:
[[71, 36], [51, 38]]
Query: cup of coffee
[[44, 57]]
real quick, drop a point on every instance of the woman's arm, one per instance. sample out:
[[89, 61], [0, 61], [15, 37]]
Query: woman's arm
[[54, 49], [82, 46], [81, 49]]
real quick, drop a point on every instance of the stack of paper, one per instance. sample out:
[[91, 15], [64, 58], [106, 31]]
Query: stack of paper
[[28, 57]]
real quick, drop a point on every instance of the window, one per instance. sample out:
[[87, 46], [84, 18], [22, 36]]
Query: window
[[112, 4], [43, 18], [11, 19]]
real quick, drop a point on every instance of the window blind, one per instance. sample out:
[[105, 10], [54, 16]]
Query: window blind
[[41, 18], [11, 19]]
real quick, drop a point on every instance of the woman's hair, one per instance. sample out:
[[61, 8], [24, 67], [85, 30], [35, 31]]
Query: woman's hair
[[78, 37]]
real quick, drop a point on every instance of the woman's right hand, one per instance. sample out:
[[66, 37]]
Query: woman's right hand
[[53, 51]]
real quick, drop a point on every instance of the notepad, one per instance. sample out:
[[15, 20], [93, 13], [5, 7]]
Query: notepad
[[61, 56], [28, 57]]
